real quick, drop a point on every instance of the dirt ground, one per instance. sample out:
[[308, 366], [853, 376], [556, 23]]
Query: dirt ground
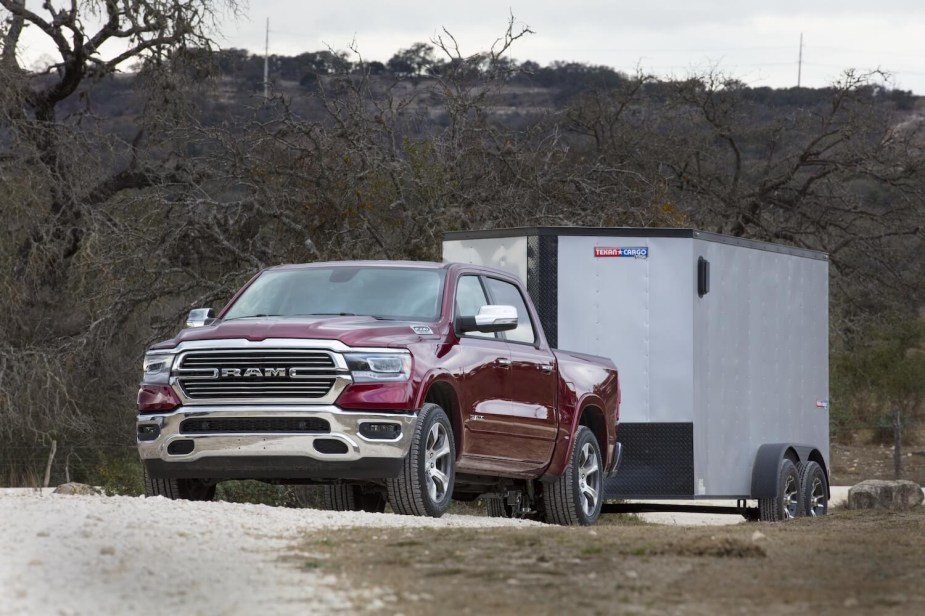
[[861, 562]]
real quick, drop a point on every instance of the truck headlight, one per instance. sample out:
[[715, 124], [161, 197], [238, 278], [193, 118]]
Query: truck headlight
[[157, 366], [378, 367]]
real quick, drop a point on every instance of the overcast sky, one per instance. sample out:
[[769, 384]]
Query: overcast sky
[[757, 42]]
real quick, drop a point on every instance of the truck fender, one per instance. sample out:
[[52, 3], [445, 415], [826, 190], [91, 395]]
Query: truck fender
[[446, 397], [767, 463], [569, 418]]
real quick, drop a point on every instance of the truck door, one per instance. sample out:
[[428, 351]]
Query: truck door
[[481, 363], [530, 423]]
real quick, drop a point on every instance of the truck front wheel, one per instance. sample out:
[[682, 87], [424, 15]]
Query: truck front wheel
[[576, 497], [179, 489], [425, 485]]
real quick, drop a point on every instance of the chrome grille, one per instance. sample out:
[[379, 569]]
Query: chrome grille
[[256, 374]]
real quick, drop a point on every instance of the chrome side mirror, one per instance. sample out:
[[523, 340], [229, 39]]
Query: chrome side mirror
[[199, 317], [489, 319]]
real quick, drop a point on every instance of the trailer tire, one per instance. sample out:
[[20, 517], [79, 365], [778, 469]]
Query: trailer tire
[[425, 485], [351, 497], [179, 489], [814, 490], [787, 504], [577, 495]]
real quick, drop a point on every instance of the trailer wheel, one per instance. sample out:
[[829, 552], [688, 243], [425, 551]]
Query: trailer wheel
[[351, 497], [786, 505], [814, 490], [425, 485], [576, 497], [179, 489]]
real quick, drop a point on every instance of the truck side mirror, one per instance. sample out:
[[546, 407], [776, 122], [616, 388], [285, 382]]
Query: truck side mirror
[[199, 317], [489, 319]]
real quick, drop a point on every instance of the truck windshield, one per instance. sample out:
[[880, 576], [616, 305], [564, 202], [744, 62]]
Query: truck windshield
[[403, 293]]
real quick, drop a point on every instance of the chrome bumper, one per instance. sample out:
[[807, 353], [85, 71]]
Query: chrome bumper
[[344, 428]]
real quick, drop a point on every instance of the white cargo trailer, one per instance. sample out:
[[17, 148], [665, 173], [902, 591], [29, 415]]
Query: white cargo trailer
[[722, 347]]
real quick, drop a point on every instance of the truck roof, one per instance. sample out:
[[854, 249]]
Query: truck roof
[[415, 264]]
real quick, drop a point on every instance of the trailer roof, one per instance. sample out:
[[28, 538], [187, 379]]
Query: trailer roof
[[636, 232]]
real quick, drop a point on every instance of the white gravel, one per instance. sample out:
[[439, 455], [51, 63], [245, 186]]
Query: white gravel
[[69, 555]]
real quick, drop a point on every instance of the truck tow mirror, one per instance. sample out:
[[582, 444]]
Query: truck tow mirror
[[489, 319], [199, 317]]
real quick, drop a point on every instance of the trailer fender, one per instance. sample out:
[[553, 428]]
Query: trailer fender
[[767, 465]]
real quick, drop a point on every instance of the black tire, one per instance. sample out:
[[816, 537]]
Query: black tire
[[425, 485], [786, 505], [350, 497], [179, 489], [497, 508], [814, 490], [576, 497]]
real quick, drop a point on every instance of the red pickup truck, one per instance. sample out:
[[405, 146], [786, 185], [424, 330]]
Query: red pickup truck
[[402, 382]]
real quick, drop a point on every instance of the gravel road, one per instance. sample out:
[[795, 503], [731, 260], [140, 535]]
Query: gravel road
[[69, 555]]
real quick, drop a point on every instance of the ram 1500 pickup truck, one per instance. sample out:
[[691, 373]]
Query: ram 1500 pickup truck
[[405, 383]]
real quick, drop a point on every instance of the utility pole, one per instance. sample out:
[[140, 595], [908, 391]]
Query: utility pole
[[266, 63], [800, 62]]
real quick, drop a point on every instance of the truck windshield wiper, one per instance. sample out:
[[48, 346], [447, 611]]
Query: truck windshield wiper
[[328, 314], [252, 316]]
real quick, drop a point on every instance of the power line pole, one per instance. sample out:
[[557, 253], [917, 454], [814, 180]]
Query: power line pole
[[800, 62], [266, 63]]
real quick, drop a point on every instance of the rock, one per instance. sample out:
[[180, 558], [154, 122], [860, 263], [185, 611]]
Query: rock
[[80, 489], [879, 494]]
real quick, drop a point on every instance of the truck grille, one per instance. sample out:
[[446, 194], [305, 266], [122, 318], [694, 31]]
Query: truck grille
[[256, 374], [269, 425]]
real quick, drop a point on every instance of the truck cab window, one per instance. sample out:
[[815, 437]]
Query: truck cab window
[[470, 296], [507, 294]]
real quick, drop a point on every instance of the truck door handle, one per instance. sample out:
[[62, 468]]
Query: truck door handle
[[504, 362], [546, 368]]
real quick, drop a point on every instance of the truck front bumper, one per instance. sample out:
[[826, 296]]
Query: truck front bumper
[[274, 443]]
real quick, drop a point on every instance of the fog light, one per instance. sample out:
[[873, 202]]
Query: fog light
[[148, 432], [380, 431]]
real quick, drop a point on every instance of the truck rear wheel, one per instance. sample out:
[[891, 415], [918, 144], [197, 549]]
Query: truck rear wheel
[[179, 489], [814, 490], [786, 504], [425, 485], [576, 497], [351, 497]]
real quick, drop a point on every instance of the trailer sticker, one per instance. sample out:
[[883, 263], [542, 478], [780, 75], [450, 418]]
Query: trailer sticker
[[636, 252]]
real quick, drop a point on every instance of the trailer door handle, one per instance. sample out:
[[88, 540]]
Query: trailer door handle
[[546, 368], [504, 362]]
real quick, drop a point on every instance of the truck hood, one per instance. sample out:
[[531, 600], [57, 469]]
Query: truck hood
[[355, 331]]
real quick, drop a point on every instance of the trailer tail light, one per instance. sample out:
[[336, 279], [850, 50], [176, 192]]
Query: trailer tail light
[[156, 398]]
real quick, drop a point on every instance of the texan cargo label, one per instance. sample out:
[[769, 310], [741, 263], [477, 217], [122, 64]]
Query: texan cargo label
[[636, 252]]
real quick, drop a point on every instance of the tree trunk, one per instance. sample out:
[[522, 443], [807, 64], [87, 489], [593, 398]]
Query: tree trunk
[[51, 458], [897, 444]]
